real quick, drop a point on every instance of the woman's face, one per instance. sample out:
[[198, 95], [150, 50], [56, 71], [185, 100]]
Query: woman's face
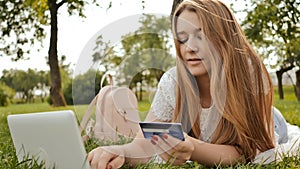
[[191, 43]]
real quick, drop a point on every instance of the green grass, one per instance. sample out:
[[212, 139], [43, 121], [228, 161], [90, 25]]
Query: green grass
[[290, 108]]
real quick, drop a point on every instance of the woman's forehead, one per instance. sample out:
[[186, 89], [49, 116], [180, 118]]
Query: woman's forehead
[[188, 21]]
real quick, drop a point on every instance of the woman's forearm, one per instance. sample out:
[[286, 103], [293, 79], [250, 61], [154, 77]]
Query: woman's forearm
[[139, 151], [215, 154]]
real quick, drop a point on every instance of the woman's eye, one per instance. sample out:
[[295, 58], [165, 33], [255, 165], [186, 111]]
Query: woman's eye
[[182, 38]]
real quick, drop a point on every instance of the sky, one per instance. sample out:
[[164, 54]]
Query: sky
[[74, 33]]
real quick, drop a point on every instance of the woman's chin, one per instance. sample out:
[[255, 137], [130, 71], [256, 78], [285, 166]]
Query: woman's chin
[[198, 72]]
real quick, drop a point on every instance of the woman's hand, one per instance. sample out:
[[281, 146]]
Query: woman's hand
[[172, 150], [111, 157]]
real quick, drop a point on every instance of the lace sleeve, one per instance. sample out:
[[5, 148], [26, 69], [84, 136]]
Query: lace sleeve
[[164, 100]]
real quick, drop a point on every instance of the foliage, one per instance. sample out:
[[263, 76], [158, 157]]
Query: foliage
[[146, 53], [83, 88], [143, 55], [26, 20], [66, 74], [6, 94], [23, 23], [274, 25], [147, 48], [105, 53], [25, 81]]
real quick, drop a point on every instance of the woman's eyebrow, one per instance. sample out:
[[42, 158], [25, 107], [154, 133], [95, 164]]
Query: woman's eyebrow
[[183, 32]]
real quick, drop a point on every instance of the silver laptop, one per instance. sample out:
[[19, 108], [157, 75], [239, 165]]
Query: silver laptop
[[49, 137]]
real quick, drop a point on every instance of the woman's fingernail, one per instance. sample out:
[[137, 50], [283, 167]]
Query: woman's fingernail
[[165, 136], [155, 138], [153, 142]]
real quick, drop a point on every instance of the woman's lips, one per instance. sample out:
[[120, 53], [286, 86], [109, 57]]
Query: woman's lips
[[194, 61]]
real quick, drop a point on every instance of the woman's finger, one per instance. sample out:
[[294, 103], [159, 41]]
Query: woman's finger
[[163, 145], [90, 156], [94, 157], [99, 158], [172, 141], [173, 158], [104, 159], [116, 163]]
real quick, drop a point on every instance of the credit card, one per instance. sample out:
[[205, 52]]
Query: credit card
[[157, 128]]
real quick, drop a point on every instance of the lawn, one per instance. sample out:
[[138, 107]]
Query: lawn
[[290, 108]]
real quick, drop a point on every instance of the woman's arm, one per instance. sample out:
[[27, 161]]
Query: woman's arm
[[139, 151], [214, 154], [178, 152]]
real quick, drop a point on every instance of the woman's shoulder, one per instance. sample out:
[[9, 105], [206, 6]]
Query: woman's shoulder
[[172, 71], [169, 76], [164, 100]]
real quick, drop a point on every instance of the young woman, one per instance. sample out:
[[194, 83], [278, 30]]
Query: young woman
[[219, 91]]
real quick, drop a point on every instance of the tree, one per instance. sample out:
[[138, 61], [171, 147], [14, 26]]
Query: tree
[[147, 50], [23, 17], [84, 87], [6, 94], [105, 54], [24, 81], [273, 27], [141, 53]]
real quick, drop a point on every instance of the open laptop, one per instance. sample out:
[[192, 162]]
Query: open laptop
[[51, 137]]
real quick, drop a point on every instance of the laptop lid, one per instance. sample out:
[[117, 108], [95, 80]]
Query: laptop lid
[[52, 137]]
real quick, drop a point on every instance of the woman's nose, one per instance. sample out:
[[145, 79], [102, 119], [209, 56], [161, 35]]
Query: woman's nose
[[191, 45]]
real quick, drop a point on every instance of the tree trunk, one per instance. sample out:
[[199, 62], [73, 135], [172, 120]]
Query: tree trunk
[[279, 74], [56, 94], [279, 85], [141, 91], [298, 84]]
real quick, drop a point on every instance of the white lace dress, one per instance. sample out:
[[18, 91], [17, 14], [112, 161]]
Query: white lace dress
[[163, 107]]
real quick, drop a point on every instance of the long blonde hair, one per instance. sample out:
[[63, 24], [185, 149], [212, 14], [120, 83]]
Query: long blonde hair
[[246, 109]]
